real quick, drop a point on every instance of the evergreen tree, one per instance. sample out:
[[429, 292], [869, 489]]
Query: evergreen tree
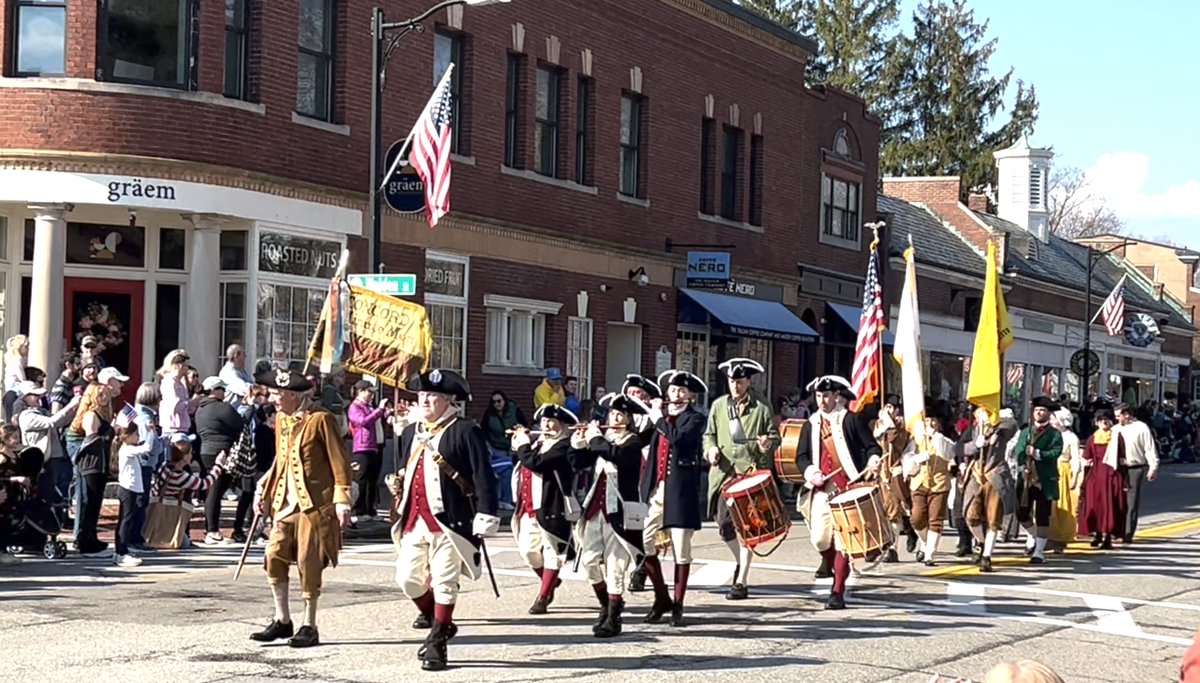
[[953, 98]]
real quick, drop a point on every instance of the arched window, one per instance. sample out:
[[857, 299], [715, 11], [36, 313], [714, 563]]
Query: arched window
[[841, 144]]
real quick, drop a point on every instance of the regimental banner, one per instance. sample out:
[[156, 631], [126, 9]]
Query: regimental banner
[[390, 339]]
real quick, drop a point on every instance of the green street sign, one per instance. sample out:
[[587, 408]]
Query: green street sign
[[392, 285]]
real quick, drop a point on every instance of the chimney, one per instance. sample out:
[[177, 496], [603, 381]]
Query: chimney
[[977, 202]]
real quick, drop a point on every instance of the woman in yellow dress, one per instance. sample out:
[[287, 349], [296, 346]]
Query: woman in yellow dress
[[1063, 521]]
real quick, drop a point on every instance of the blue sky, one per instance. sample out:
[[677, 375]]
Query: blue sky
[[1118, 87]]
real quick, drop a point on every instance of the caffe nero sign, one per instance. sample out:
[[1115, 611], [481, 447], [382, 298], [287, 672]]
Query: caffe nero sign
[[292, 255]]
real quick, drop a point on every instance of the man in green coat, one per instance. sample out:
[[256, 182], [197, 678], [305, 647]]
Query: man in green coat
[[1037, 450], [741, 438]]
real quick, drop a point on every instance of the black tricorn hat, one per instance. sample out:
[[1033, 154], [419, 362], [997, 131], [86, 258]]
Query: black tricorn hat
[[623, 403], [1102, 409], [682, 378], [440, 381], [556, 412], [283, 380], [893, 400], [1045, 402], [644, 383]]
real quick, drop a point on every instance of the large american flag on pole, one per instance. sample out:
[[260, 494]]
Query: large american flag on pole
[[864, 380], [430, 155], [1113, 310]]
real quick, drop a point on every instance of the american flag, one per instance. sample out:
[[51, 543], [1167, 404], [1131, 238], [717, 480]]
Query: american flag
[[1016, 374], [1113, 310], [126, 417], [431, 150], [864, 379]]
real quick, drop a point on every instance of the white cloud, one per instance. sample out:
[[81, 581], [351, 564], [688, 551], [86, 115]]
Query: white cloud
[[1119, 178]]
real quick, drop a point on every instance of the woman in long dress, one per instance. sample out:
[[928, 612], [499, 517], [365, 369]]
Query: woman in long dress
[[1103, 514], [1063, 520]]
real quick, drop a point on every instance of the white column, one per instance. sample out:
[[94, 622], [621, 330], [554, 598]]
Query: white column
[[202, 305], [46, 300]]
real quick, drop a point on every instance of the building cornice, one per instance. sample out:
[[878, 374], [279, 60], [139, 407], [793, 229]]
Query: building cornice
[[743, 29]]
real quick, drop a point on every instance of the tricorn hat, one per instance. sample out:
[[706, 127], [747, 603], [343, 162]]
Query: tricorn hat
[[740, 368], [828, 383], [283, 380], [556, 412], [441, 381], [625, 404], [1045, 402], [644, 383], [682, 378], [893, 400]]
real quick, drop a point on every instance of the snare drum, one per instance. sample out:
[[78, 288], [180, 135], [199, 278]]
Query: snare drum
[[756, 509], [785, 455], [860, 519]]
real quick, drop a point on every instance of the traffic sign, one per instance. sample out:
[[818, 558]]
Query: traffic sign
[[399, 284], [404, 190]]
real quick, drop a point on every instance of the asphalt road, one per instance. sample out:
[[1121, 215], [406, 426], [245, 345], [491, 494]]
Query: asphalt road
[[1125, 615]]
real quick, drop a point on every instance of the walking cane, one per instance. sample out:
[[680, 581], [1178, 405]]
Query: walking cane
[[258, 518]]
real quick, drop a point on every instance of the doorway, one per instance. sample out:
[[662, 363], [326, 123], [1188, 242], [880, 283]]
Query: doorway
[[623, 355], [113, 312]]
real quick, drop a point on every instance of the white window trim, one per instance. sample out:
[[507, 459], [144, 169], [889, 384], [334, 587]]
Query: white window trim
[[832, 240], [462, 302], [586, 378], [517, 303], [501, 309]]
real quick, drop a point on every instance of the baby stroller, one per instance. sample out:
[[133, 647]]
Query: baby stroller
[[34, 523]]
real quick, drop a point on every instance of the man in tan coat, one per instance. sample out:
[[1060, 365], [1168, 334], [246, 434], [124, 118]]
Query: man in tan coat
[[307, 495]]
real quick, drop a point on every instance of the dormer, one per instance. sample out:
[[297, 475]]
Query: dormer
[[1024, 173]]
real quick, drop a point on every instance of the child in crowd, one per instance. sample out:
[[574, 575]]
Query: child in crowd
[[170, 510], [129, 488]]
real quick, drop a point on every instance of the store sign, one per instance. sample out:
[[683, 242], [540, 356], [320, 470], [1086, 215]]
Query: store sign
[[1093, 362], [708, 269], [1170, 372], [404, 190], [1036, 325], [741, 288], [770, 334], [1142, 330], [119, 190], [446, 277], [303, 256]]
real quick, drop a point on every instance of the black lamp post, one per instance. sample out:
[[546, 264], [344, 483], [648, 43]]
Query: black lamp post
[[1093, 257], [385, 39]]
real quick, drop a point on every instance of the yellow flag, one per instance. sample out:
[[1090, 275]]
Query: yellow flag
[[985, 386]]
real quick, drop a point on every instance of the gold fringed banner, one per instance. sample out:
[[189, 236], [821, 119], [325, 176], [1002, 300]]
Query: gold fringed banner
[[391, 338]]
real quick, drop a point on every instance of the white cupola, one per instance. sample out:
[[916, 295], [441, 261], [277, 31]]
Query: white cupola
[[1024, 182]]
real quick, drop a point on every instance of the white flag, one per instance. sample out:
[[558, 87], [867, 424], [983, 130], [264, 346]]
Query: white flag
[[907, 352]]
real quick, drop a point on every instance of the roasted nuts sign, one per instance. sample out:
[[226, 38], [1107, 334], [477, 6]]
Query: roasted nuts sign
[[293, 255]]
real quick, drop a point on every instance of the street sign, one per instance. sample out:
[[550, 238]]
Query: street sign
[[404, 190], [400, 284], [708, 269]]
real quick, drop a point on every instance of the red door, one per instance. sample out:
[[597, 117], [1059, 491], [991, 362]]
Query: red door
[[113, 312]]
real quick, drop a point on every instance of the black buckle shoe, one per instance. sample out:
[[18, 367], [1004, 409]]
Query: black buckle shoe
[[433, 653], [637, 580], [985, 565], [662, 605], [677, 614], [451, 631], [603, 616], [891, 557], [612, 622], [539, 605], [423, 622], [1096, 541], [911, 542], [824, 571], [274, 631], [305, 637], [835, 601], [920, 556], [738, 591]]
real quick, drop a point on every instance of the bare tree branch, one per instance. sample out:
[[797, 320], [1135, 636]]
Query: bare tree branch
[[1076, 211]]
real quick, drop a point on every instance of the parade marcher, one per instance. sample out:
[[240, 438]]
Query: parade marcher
[[447, 505], [670, 485], [1038, 447], [930, 486], [897, 444], [989, 483], [545, 505], [1103, 502], [307, 496], [835, 448], [740, 438], [1063, 521], [1136, 454], [610, 532], [644, 390]]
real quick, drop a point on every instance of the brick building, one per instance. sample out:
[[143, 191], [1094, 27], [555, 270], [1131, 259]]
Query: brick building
[[199, 187], [1045, 280]]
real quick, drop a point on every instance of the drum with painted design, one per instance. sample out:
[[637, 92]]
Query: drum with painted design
[[758, 514]]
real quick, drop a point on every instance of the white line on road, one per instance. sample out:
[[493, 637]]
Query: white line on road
[[1111, 615]]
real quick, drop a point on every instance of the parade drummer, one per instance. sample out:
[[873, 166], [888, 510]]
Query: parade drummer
[[741, 437]]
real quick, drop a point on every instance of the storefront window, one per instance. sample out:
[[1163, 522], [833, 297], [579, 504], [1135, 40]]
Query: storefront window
[[1014, 383], [446, 302], [946, 376], [233, 314], [579, 353], [166, 321], [287, 320], [172, 249], [449, 336], [691, 355], [759, 350], [233, 249]]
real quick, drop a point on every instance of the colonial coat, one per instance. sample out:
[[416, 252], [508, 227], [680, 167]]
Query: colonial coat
[[683, 435], [852, 438], [737, 457], [551, 467], [1050, 444], [990, 465], [463, 445], [620, 459]]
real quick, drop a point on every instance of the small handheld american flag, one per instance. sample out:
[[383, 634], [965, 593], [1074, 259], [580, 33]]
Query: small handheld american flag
[[126, 417]]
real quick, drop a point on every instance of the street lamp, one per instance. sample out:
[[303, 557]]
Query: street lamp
[[1093, 257], [385, 39]]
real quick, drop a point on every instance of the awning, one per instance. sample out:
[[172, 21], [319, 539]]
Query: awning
[[754, 317], [852, 316]]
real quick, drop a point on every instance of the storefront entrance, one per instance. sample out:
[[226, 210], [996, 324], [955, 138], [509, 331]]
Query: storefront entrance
[[112, 311]]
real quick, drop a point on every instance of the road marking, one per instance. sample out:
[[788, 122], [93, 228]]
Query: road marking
[[969, 596], [1111, 615]]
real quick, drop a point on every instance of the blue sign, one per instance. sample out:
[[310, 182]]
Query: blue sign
[[708, 269], [404, 190]]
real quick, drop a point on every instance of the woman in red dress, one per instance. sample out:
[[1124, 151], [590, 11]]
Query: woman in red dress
[[1103, 514]]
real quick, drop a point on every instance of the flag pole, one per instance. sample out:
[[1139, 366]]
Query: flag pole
[[1100, 309], [880, 374], [412, 133]]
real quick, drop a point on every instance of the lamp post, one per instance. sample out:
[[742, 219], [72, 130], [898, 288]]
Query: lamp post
[[1093, 257], [385, 39]]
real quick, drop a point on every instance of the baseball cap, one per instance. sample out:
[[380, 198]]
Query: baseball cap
[[24, 389], [364, 385], [110, 373], [89, 341], [554, 374], [212, 383]]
